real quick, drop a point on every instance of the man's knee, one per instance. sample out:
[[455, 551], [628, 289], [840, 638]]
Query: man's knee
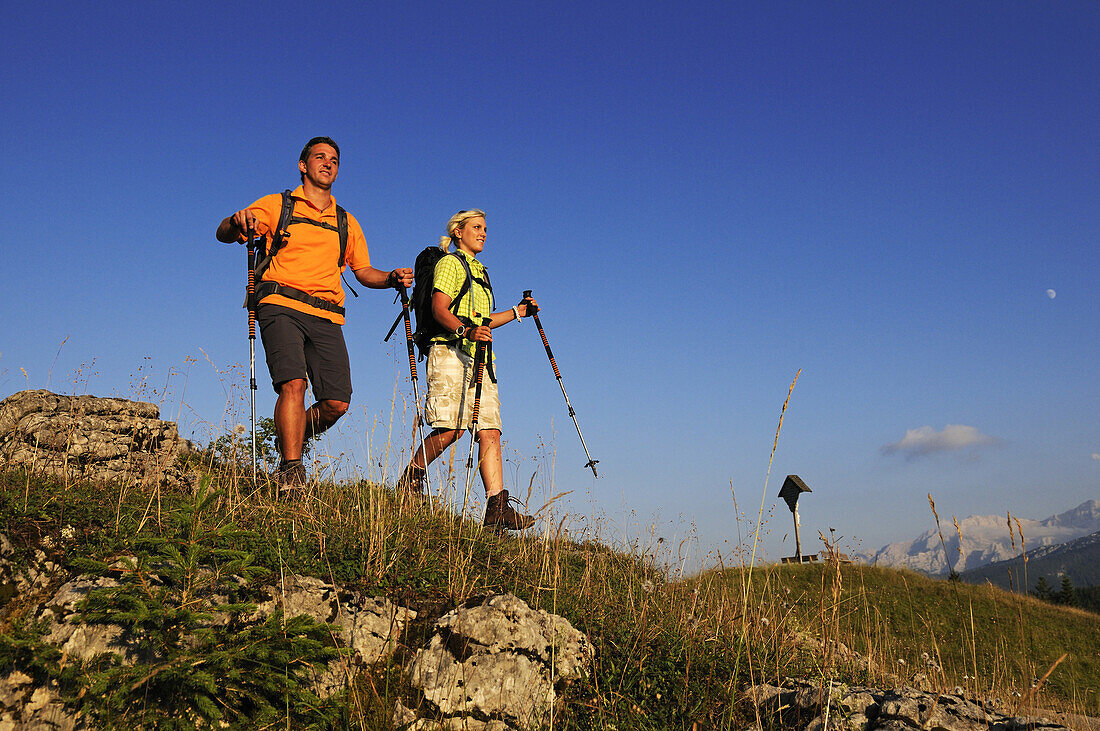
[[332, 410], [294, 388]]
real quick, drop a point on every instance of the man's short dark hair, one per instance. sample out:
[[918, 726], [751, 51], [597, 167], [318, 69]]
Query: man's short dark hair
[[309, 146]]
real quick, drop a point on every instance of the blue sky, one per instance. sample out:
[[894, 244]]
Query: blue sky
[[900, 199]]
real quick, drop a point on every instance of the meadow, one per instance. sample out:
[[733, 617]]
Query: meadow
[[672, 651]]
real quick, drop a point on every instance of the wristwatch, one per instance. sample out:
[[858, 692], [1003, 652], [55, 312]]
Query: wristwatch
[[461, 331]]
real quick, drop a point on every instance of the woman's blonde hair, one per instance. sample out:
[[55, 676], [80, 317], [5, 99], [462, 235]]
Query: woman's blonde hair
[[458, 221]]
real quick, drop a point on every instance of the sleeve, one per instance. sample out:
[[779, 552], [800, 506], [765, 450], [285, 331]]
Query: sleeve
[[449, 276], [266, 210], [357, 256]]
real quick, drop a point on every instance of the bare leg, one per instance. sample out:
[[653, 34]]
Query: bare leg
[[321, 416], [290, 418], [433, 446], [489, 461]]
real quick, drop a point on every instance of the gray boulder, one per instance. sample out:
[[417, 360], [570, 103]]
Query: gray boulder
[[498, 661], [370, 627]]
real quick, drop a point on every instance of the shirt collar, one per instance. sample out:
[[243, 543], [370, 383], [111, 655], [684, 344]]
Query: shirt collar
[[300, 194]]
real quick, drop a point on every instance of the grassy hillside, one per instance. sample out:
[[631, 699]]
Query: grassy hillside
[[670, 654]]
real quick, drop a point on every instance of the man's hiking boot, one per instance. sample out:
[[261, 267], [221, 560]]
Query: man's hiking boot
[[291, 477], [500, 515]]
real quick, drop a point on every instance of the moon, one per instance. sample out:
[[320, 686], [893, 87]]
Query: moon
[[1051, 293]]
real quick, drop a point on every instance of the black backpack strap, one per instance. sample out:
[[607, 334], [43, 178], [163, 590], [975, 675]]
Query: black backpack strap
[[278, 239], [278, 236], [287, 217], [488, 286], [342, 228], [465, 283]]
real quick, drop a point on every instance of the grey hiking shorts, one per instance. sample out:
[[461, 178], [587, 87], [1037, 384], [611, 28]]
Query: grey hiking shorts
[[298, 345]]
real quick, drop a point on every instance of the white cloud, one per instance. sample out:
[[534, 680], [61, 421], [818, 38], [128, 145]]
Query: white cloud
[[925, 440]]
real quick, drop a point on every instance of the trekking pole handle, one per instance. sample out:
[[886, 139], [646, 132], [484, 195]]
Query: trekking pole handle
[[532, 309], [403, 293], [251, 292]]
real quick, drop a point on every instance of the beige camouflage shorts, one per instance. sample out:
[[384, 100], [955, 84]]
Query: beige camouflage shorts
[[451, 390]]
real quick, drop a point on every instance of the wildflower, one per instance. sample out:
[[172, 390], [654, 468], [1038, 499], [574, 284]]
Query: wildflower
[[239, 429], [901, 661], [648, 586], [68, 533]]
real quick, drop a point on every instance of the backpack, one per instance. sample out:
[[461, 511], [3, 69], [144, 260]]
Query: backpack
[[421, 300], [278, 241]]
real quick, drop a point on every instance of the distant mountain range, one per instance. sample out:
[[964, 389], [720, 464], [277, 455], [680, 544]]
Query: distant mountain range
[[986, 539], [1078, 559]]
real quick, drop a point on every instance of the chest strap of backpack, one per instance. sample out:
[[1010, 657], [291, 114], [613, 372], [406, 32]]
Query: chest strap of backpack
[[279, 237], [287, 218]]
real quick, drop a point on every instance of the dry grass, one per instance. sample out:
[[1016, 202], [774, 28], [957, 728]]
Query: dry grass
[[672, 653]]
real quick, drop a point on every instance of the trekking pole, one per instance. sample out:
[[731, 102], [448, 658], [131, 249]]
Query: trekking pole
[[533, 310], [416, 388], [252, 339], [479, 369]]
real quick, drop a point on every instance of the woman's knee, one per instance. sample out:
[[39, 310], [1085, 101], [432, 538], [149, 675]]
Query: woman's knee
[[446, 436], [488, 436]]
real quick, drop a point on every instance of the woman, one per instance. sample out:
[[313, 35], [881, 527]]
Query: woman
[[451, 376]]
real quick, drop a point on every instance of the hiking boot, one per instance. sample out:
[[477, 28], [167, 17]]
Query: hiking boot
[[291, 476], [499, 514]]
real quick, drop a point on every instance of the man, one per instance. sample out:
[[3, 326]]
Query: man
[[300, 301]]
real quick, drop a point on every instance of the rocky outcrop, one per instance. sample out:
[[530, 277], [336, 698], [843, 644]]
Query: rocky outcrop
[[799, 704], [493, 665], [498, 662], [86, 437]]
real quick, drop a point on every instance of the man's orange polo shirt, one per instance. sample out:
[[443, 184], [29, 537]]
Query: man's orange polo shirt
[[308, 261]]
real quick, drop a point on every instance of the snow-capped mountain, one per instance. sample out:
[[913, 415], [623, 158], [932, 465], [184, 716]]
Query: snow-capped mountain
[[986, 538], [1078, 560]]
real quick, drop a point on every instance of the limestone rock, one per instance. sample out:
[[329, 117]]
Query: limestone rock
[[869, 709], [87, 437], [370, 626], [84, 641], [25, 705], [498, 660]]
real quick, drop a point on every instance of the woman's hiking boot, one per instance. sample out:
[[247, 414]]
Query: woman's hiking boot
[[291, 477], [410, 486], [411, 480], [499, 514]]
